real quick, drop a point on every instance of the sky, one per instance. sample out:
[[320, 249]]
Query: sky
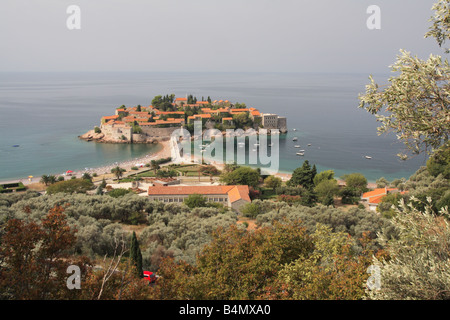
[[211, 35]]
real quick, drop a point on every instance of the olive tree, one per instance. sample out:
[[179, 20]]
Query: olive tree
[[415, 103]]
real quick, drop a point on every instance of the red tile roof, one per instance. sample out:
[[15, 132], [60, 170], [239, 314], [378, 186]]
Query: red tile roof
[[375, 196], [234, 193], [110, 117]]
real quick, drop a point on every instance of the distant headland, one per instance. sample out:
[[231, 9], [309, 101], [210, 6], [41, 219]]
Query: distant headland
[[156, 123]]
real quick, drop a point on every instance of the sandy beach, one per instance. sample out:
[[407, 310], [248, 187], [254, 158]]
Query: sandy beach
[[105, 170], [165, 152]]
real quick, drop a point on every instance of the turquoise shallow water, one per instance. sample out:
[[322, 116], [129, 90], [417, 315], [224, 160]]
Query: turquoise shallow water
[[44, 113]]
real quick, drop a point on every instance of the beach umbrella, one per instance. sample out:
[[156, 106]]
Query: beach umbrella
[[69, 171], [30, 177]]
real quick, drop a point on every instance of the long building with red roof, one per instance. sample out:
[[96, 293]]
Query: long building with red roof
[[232, 196]]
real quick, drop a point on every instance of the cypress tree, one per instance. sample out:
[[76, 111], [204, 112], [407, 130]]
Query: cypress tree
[[136, 255]]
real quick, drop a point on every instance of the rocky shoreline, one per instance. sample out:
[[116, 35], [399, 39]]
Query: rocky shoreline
[[91, 135]]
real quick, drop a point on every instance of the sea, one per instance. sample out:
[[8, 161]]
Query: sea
[[42, 115]]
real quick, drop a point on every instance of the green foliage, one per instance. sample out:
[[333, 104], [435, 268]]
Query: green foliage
[[136, 128], [86, 176], [350, 196], [195, 201], [356, 182], [419, 264], [289, 191], [415, 104], [324, 175], [326, 190], [440, 30], [387, 202], [273, 182], [242, 176], [251, 209], [118, 172], [239, 265], [382, 182], [97, 130], [136, 255], [439, 163], [303, 176], [119, 192], [332, 271], [353, 221], [164, 103], [71, 186], [242, 120]]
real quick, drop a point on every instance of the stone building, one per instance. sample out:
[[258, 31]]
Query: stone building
[[273, 121]]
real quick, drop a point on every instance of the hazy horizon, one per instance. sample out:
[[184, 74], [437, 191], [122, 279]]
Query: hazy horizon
[[283, 36]]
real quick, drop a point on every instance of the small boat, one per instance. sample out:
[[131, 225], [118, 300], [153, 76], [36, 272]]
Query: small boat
[[367, 157], [297, 146], [300, 153], [309, 144], [294, 129], [294, 139]]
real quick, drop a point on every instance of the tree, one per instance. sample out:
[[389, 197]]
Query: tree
[[356, 181], [326, 190], [439, 163], [382, 182], [71, 186], [195, 201], [45, 179], [419, 264], [118, 192], [332, 271], [242, 176], [323, 175], [118, 172], [242, 120], [273, 182], [238, 264], [86, 176], [154, 166], [251, 209], [303, 176], [136, 255], [416, 102], [35, 257], [440, 30]]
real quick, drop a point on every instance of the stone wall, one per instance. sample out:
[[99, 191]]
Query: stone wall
[[115, 132]]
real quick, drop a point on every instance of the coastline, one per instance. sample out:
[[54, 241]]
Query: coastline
[[165, 152]]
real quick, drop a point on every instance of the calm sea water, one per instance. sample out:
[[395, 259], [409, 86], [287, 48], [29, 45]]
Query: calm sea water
[[44, 113]]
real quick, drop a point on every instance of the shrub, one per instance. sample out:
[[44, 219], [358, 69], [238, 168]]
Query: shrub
[[119, 192], [71, 186]]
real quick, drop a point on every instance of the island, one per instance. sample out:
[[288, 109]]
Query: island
[[155, 123]]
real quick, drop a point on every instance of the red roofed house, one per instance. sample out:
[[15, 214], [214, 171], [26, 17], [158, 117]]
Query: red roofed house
[[180, 101], [374, 197], [232, 196]]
